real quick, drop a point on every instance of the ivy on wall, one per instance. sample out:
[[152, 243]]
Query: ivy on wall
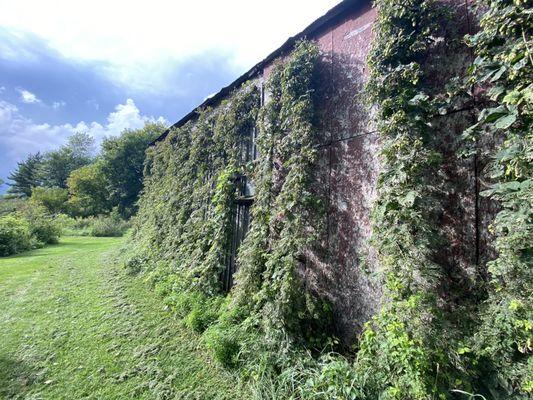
[[411, 349], [503, 74], [402, 350], [183, 229], [286, 215]]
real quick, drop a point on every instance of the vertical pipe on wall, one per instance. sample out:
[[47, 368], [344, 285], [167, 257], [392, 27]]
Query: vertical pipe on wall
[[330, 157], [477, 219]]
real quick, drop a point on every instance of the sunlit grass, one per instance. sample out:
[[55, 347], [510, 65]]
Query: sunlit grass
[[74, 326]]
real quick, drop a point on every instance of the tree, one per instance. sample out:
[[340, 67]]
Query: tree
[[27, 175], [53, 199], [87, 187], [123, 163], [82, 146], [58, 164]]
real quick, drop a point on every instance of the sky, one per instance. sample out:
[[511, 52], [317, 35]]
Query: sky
[[101, 67]]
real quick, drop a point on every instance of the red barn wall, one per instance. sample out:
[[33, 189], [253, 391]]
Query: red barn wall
[[347, 174], [343, 267]]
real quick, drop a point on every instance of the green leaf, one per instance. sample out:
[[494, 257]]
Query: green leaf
[[487, 76], [506, 122], [526, 184], [512, 97], [495, 92], [493, 114], [509, 186], [498, 74], [419, 98], [409, 199]]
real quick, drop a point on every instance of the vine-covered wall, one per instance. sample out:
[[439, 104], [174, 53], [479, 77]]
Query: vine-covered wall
[[372, 230]]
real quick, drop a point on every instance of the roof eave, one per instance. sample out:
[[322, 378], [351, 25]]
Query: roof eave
[[324, 22]]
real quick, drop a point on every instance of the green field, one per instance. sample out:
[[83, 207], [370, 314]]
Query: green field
[[73, 325]]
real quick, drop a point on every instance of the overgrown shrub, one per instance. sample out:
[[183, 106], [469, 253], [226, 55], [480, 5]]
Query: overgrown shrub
[[74, 226], [28, 228], [87, 187], [11, 203], [108, 225], [15, 235], [54, 199], [203, 312], [44, 228], [224, 345], [103, 225]]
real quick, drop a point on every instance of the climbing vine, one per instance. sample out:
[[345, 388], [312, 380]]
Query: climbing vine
[[287, 213], [184, 225], [414, 347], [400, 349], [503, 73], [407, 340], [270, 294]]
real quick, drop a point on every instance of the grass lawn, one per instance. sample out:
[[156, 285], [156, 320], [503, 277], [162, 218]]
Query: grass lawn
[[74, 326]]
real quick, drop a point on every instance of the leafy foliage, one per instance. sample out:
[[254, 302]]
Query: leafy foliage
[[10, 203], [402, 348], [185, 219], [121, 166], [111, 225], [183, 224], [44, 228], [54, 199], [29, 227], [415, 347], [58, 164], [14, 235], [286, 214], [104, 225], [404, 351], [95, 185], [88, 190], [504, 67]]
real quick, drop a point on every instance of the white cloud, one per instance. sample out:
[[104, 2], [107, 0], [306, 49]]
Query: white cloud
[[20, 136], [58, 104], [7, 111], [28, 97], [152, 32], [2, 89]]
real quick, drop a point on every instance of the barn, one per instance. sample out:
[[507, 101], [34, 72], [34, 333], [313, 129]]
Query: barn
[[340, 264]]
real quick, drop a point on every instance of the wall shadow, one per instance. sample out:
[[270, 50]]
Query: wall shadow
[[341, 267]]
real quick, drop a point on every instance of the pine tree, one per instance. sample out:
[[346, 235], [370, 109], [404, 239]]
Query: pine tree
[[26, 176]]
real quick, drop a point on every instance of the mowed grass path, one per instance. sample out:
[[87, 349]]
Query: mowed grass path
[[73, 325]]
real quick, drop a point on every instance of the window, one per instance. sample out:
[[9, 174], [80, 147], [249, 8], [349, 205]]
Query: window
[[245, 187], [241, 224], [248, 146], [245, 196]]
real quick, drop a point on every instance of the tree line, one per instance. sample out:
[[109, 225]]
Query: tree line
[[76, 180]]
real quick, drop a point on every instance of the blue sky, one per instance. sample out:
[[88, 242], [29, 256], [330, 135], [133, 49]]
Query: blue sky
[[101, 66]]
